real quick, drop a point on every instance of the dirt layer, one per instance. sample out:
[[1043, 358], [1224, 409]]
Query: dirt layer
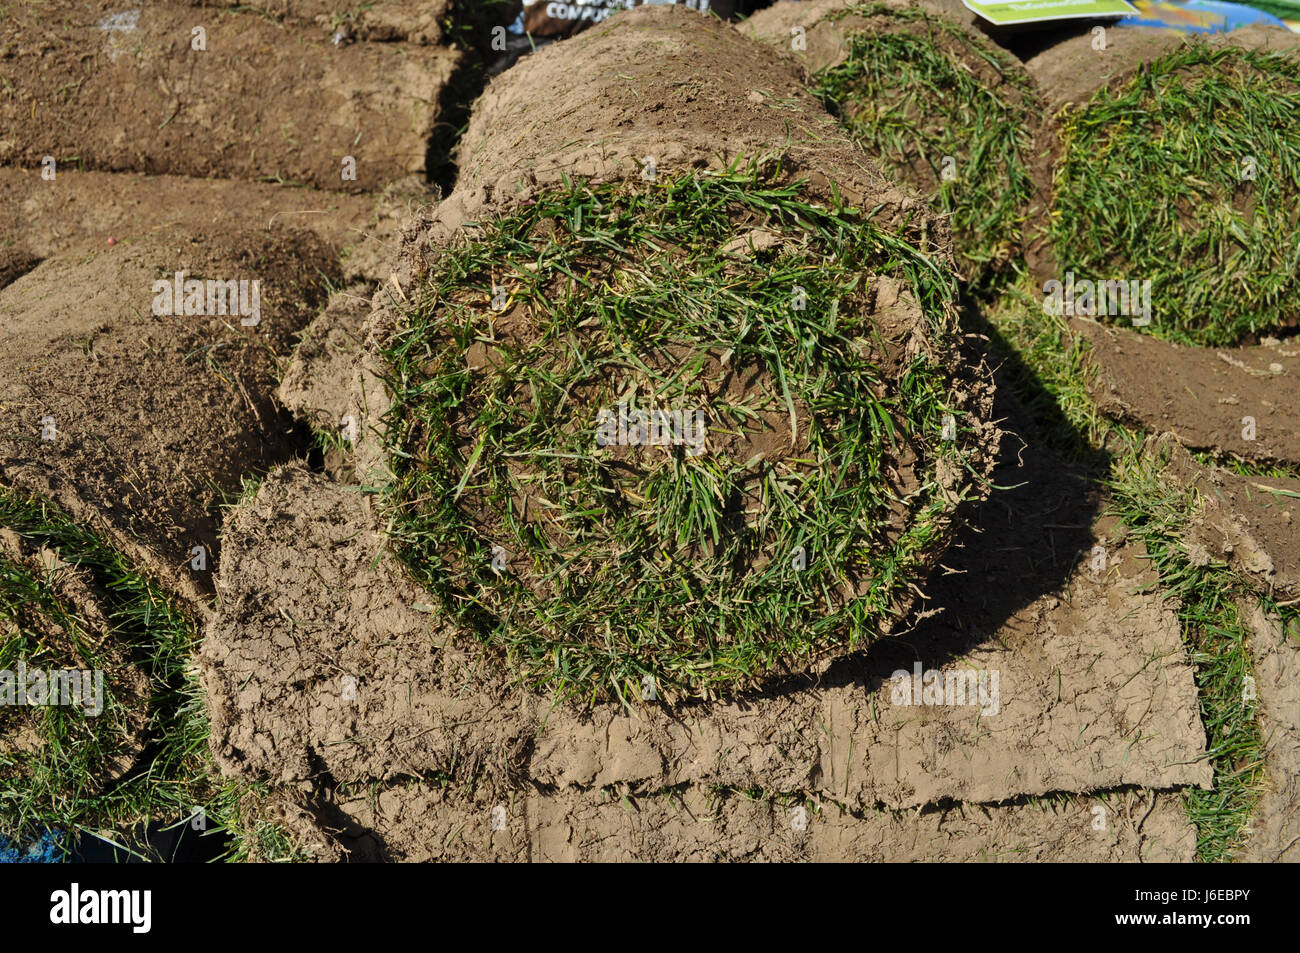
[[1233, 402], [1245, 522], [419, 822], [138, 422], [45, 217], [128, 91], [410, 21]]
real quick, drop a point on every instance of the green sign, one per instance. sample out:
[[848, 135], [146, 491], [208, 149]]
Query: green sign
[[1007, 12]]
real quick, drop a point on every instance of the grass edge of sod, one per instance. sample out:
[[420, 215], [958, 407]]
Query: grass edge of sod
[[417, 435], [174, 775]]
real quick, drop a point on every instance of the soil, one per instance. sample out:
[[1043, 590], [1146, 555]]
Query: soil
[[322, 374], [86, 209], [409, 21], [1274, 831], [420, 822], [1200, 395], [262, 101], [1246, 522], [155, 417]]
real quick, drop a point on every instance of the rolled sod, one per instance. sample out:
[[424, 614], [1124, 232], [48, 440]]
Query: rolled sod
[[142, 90], [1180, 175], [139, 411], [933, 101], [662, 435]]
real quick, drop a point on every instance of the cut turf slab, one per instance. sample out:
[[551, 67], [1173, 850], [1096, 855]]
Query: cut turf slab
[[409, 21], [130, 90], [324, 661], [1232, 402], [419, 822], [1274, 831], [138, 422]]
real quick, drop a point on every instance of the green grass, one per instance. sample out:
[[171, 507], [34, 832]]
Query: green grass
[[61, 784], [910, 101], [628, 564], [1149, 186]]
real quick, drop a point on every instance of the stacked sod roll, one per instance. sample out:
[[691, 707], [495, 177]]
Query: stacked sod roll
[[1178, 166], [212, 93], [935, 103], [674, 395]]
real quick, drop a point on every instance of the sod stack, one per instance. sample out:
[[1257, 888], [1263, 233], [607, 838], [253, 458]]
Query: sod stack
[[934, 102], [684, 406], [172, 89], [1175, 162]]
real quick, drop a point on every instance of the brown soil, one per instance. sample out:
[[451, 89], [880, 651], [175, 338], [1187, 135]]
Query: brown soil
[[317, 387], [1274, 831], [14, 263], [411, 21], [154, 417], [126, 92], [1200, 395], [86, 209], [418, 822], [1246, 522]]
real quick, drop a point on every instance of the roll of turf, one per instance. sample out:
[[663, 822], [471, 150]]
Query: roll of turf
[[1175, 189], [675, 399], [935, 103]]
